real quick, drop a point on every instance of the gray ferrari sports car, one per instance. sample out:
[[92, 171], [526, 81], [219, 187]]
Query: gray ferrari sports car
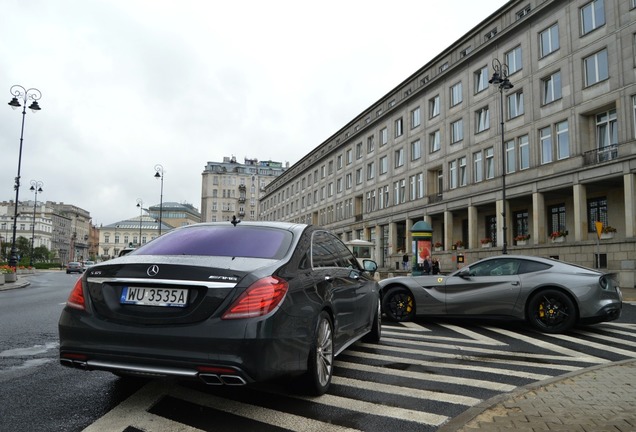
[[551, 295]]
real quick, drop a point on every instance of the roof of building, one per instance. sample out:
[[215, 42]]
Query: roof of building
[[146, 222]]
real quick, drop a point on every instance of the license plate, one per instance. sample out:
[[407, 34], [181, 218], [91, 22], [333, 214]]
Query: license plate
[[144, 296]]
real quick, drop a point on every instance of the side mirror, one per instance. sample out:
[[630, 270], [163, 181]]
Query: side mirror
[[464, 273], [369, 265]]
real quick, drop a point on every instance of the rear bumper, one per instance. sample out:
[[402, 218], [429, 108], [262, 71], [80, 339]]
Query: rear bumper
[[609, 312], [232, 352]]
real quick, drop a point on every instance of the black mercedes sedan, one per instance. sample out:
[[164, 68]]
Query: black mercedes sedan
[[225, 303]]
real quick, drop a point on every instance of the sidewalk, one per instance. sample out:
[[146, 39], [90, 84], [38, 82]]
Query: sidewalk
[[596, 399], [20, 283]]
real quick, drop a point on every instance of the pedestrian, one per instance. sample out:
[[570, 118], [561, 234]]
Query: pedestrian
[[405, 261], [427, 265], [435, 268]]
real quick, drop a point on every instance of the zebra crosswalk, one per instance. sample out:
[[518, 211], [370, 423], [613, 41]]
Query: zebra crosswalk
[[417, 378]]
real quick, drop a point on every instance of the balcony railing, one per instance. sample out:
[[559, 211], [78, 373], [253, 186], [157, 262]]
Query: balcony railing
[[358, 218], [600, 155], [435, 198]]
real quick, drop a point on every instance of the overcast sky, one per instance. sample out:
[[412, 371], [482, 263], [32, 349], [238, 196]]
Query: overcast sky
[[128, 84]]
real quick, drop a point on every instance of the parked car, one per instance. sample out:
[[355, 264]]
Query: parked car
[[223, 303], [551, 295], [74, 267], [88, 264], [125, 251]]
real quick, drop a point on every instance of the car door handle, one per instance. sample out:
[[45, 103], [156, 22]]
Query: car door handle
[[515, 283]]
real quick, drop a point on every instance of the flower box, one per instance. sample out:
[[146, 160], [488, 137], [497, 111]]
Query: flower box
[[1, 278], [522, 242], [438, 248], [486, 245], [607, 235], [558, 239], [10, 277]]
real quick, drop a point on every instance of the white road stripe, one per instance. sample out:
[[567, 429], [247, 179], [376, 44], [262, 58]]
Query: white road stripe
[[492, 342], [596, 345], [392, 359], [447, 379], [421, 417], [465, 353], [406, 391], [550, 346], [474, 335], [258, 413], [611, 339]]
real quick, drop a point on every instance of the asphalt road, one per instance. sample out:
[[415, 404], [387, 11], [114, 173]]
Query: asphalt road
[[418, 377]]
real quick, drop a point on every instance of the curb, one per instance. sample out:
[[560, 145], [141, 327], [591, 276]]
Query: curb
[[458, 422]]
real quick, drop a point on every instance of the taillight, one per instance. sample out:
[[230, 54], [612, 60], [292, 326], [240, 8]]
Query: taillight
[[259, 299], [76, 297]]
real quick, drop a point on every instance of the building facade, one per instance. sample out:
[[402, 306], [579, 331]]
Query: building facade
[[62, 228], [133, 232], [434, 148], [230, 188], [175, 214]]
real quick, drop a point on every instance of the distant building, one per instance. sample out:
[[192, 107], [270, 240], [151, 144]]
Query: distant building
[[62, 228], [132, 232], [175, 214], [231, 189]]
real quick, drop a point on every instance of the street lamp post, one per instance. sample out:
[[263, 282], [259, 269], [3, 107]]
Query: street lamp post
[[36, 186], [159, 175], [500, 79], [33, 94], [140, 204]]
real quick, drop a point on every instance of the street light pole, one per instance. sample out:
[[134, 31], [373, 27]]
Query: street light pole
[[159, 175], [33, 94], [140, 204], [500, 79], [36, 186]]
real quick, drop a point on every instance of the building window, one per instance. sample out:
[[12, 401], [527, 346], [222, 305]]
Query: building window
[[339, 165], [399, 192], [370, 171], [434, 141], [606, 129], [370, 144], [482, 119], [596, 212], [524, 152], [384, 165], [478, 168], [370, 201], [592, 16], [523, 12], [515, 105], [489, 153], [549, 40], [433, 107], [348, 157], [457, 131], [562, 140], [416, 150], [513, 60], [443, 67], [545, 139], [348, 181], [463, 174], [384, 136], [440, 182], [420, 185], [556, 218], [452, 174], [520, 221], [456, 95], [398, 127], [399, 157], [511, 157], [596, 68], [552, 88], [329, 171], [416, 119], [359, 150], [359, 176], [481, 79], [412, 188], [338, 186]]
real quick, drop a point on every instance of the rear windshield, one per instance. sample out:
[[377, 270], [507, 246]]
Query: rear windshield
[[230, 241]]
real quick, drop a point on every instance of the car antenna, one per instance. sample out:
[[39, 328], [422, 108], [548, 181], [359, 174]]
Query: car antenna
[[235, 221]]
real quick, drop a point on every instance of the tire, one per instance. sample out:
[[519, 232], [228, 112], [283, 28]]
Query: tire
[[376, 327], [399, 305], [320, 362], [552, 311]]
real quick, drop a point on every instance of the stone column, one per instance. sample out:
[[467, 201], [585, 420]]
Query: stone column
[[629, 181], [473, 227], [539, 219], [580, 212], [448, 230]]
